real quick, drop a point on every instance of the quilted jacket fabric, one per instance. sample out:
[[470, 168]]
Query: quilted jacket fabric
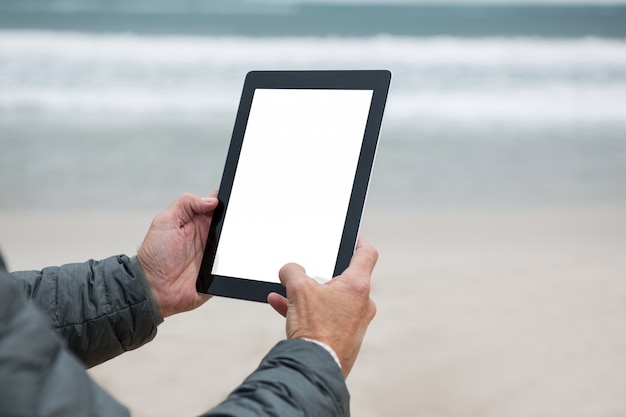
[[57, 321]]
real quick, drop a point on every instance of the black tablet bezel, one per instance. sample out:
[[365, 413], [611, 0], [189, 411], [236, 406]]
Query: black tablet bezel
[[375, 80]]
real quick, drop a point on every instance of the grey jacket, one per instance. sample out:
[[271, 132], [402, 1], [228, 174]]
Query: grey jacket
[[56, 321]]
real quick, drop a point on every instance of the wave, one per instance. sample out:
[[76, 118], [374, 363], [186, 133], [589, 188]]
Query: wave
[[532, 80]]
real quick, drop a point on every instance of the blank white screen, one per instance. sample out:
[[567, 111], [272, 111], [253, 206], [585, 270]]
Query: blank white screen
[[293, 183]]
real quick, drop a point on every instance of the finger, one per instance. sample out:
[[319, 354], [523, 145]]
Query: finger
[[290, 272], [278, 303], [183, 207], [364, 258], [191, 205], [205, 204]]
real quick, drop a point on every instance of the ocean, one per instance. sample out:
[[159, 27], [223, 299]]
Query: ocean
[[126, 106]]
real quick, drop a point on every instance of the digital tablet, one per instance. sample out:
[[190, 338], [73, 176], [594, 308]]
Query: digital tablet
[[295, 179]]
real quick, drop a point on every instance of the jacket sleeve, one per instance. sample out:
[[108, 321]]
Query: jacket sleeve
[[297, 378], [101, 308], [38, 376]]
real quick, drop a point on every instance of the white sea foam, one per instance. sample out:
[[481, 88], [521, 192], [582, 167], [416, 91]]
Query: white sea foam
[[531, 80]]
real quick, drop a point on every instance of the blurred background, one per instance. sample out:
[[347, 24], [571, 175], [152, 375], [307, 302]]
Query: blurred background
[[497, 202], [127, 103]]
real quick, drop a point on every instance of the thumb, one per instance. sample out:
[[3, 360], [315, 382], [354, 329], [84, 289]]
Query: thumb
[[287, 275], [290, 272], [364, 259], [188, 205]]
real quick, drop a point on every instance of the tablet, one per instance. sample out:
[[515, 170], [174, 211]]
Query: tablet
[[295, 179]]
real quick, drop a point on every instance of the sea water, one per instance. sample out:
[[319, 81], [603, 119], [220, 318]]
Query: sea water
[[109, 118]]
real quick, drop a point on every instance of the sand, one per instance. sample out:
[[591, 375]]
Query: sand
[[480, 313]]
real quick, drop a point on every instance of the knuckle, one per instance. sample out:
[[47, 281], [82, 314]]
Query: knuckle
[[186, 199], [361, 288]]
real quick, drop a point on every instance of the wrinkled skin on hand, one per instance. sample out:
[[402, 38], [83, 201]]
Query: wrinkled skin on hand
[[337, 312], [171, 253]]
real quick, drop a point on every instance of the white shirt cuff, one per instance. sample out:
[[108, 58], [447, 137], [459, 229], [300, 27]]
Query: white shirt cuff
[[327, 349]]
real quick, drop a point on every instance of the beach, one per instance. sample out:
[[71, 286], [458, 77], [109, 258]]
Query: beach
[[508, 312], [497, 200]]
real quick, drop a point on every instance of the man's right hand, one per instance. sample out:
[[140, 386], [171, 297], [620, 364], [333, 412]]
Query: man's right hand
[[171, 253], [337, 312]]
